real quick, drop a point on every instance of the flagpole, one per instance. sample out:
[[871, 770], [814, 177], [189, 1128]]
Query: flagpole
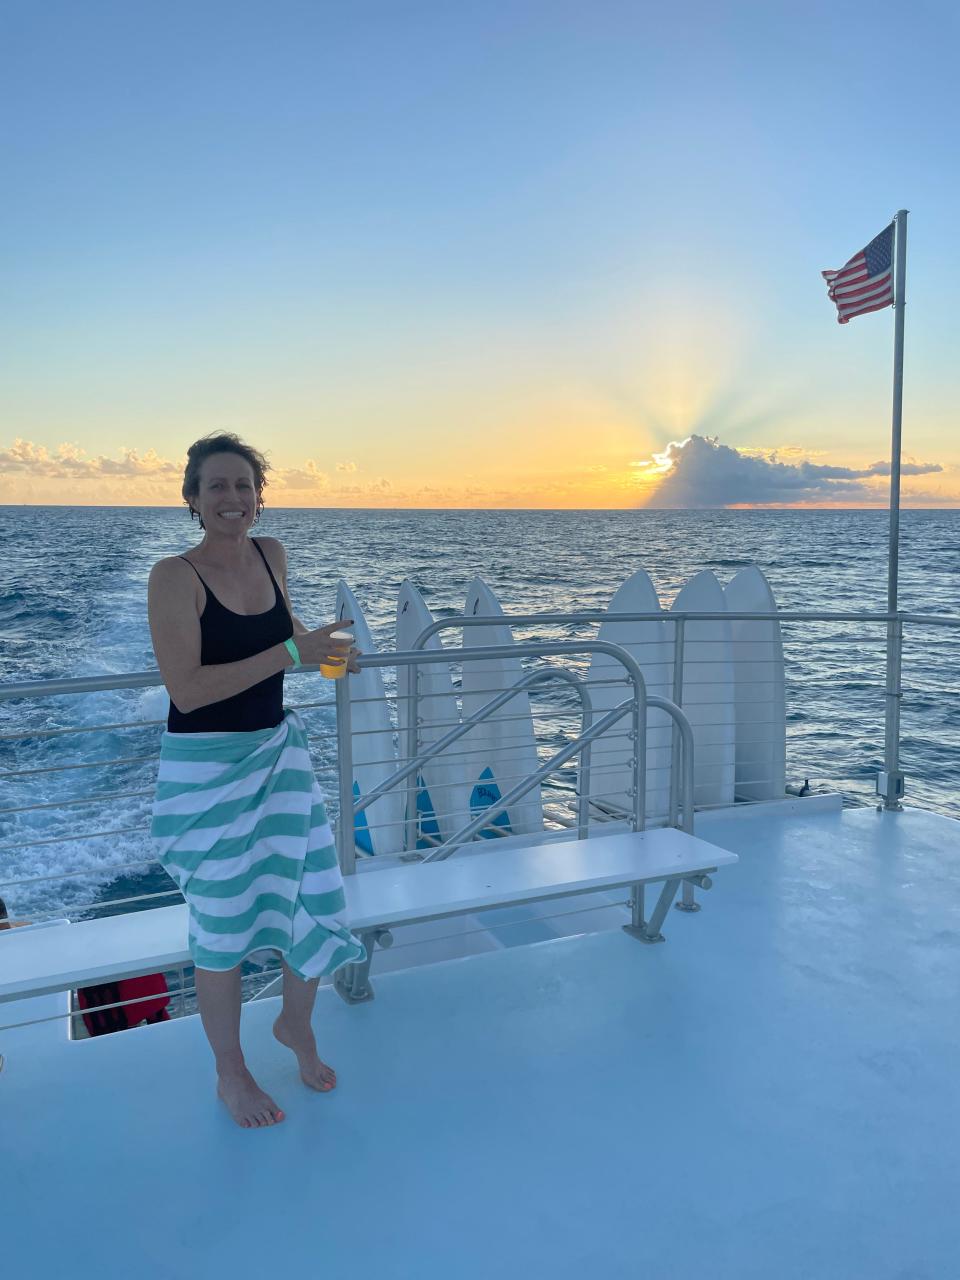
[[890, 782], [900, 272]]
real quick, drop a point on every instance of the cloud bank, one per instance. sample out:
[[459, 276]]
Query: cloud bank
[[701, 472], [70, 462], [33, 472], [698, 472]]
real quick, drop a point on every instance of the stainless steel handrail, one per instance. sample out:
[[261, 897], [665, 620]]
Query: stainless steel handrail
[[583, 740], [91, 684], [146, 679], [345, 834], [890, 781], [418, 759]]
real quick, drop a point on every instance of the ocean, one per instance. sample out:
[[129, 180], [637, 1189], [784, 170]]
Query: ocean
[[73, 603]]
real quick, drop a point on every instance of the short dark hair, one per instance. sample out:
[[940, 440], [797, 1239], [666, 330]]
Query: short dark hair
[[222, 442]]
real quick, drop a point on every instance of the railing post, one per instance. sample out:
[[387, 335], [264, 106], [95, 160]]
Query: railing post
[[639, 728], [346, 844], [677, 699], [583, 771], [890, 780], [687, 900], [411, 814]]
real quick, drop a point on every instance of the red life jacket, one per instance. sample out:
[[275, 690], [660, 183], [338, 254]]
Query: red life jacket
[[104, 1021]]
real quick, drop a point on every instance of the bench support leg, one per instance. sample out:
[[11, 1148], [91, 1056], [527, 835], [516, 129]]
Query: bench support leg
[[699, 881], [637, 920], [650, 931], [352, 982], [687, 901]]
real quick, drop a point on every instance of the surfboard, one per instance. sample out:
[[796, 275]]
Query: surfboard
[[501, 750], [708, 690], [378, 829], [611, 773], [759, 683], [441, 801]]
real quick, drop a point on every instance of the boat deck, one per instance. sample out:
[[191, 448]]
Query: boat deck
[[772, 1093]]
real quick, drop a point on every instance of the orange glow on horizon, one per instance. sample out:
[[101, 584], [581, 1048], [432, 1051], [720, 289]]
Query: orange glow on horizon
[[603, 470]]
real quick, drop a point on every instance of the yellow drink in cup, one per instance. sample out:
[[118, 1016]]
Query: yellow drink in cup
[[334, 671]]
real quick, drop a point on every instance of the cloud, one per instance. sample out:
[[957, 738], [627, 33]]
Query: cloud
[[702, 472], [309, 477], [381, 485], [70, 462], [309, 481]]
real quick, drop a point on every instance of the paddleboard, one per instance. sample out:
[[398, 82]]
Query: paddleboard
[[501, 750], [611, 773], [708, 690], [759, 683], [441, 801], [378, 829]]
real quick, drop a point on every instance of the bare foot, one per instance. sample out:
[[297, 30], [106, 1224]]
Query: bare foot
[[247, 1103], [313, 1070]]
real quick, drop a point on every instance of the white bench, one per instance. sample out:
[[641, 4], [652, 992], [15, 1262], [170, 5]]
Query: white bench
[[95, 951]]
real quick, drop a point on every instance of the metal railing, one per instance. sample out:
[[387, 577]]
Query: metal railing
[[634, 705], [74, 823]]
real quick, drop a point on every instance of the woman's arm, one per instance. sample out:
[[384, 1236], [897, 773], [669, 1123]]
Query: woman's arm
[[276, 554], [175, 628], [174, 603]]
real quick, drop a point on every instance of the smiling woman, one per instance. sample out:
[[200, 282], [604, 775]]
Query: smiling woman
[[239, 819], [211, 485]]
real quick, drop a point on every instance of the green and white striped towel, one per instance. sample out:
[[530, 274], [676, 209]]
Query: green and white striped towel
[[241, 826]]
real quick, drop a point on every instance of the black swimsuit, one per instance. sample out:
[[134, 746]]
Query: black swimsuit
[[229, 637]]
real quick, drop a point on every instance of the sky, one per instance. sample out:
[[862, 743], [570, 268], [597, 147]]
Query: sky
[[498, 254]]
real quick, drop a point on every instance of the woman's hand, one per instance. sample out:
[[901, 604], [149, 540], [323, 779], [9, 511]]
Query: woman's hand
[[318, 646]]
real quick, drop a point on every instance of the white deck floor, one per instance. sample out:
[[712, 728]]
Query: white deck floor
[[772, 1093]]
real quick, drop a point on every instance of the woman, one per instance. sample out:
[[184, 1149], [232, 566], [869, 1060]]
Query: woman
[[239, 817]]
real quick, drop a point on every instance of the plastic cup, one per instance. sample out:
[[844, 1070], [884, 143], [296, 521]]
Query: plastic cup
[[331, 670]]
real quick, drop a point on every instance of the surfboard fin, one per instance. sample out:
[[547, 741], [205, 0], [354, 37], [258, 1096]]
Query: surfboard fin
[[485, 795]]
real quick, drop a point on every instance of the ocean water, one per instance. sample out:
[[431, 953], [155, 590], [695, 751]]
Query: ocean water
[[73, 603]]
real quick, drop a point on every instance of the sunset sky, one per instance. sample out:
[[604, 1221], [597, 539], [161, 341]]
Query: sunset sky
[[500, 254]]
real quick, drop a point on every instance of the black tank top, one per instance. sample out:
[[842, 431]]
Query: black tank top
[[229, 637]]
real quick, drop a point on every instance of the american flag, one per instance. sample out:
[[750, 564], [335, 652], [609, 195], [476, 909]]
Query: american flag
[[866, 282]]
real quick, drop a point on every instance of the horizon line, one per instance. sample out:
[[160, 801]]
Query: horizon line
[[738, 507]]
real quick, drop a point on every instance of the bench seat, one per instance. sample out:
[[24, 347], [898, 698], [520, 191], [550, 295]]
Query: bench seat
[[460, 885], [125, 946]]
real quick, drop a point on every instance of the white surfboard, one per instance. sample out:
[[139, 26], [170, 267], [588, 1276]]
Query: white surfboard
[[378, 829], [501, 750], [611, 773], [708, 690], [441, 802], [759, 681]]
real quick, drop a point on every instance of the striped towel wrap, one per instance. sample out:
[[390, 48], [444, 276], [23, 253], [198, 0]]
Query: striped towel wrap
[[241, 826]]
